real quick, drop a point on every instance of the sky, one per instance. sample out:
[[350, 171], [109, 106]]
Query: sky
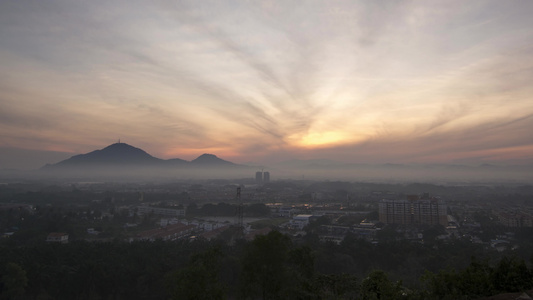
[[268, 81]]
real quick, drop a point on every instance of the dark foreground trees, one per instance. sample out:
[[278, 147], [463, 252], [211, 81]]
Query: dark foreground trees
[[14, 282], [480, 279], [199, 279], [272, 266]]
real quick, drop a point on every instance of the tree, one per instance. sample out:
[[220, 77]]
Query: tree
[[199, 279], [443, 285], [335, 286], [14, 282], [474, 281], [301, 272], [257, 210], [511, 275], [264, 266], [431, 233], [388, 233], [378, 286]]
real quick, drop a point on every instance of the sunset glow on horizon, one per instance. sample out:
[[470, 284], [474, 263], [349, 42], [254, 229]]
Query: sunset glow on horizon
[[268, 81]]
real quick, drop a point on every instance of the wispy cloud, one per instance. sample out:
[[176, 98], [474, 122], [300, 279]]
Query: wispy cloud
[[264, 80]]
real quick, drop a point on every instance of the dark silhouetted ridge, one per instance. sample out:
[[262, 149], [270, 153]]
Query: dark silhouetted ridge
[[124, 160], [211, 160], [115, 154]]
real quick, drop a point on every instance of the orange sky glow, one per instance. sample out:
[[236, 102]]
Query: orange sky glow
[[268, 81]]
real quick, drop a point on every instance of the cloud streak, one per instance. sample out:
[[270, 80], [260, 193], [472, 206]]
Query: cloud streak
[[268, 80]]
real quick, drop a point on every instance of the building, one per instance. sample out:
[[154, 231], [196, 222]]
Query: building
[[259, 177], [170, 212], [57, 237], [213, 234], [300, 221], [515, 219], [414, 210], [169, 233], [15, 207], [286, 211], [266, 177], [262, 177], [251, 235]]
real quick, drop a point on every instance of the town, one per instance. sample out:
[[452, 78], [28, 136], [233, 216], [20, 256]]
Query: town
[[205, 209], [350, 228]]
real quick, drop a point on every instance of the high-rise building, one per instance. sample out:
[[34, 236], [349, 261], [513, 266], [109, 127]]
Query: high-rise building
[[266, 177], [413, 211], [259, 177]]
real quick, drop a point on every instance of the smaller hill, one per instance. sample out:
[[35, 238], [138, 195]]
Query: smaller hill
[[124, 161], [211, 160]]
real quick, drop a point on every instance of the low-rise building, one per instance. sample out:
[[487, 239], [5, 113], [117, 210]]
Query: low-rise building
[[215, 233], [162, 211], [285, 211], [57, 237], [300, 221], [169, 233]]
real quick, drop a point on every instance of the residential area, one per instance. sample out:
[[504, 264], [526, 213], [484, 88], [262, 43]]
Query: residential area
[[402, 235]]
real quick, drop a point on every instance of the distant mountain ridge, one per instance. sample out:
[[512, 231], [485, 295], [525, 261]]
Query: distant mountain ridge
[[124, 155], [211, 159], [118, 153], [122, 161]]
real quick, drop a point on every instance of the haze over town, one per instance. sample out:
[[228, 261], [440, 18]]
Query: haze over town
[[265, 82], [270, 149]]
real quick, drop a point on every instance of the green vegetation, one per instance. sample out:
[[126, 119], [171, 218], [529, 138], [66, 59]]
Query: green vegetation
[[272, 266]]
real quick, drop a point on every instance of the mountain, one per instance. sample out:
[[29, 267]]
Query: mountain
[[121, 159], [211, 160], [176, 162], [125, 162], [115, 154]]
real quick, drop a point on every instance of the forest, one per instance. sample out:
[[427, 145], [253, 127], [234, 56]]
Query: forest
[[272, 266]]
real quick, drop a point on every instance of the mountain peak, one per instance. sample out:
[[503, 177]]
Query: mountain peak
[[119, 144], [207, 156], [118, 153], [210, 159], [120, 147], [121, 158], [123, 151]]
